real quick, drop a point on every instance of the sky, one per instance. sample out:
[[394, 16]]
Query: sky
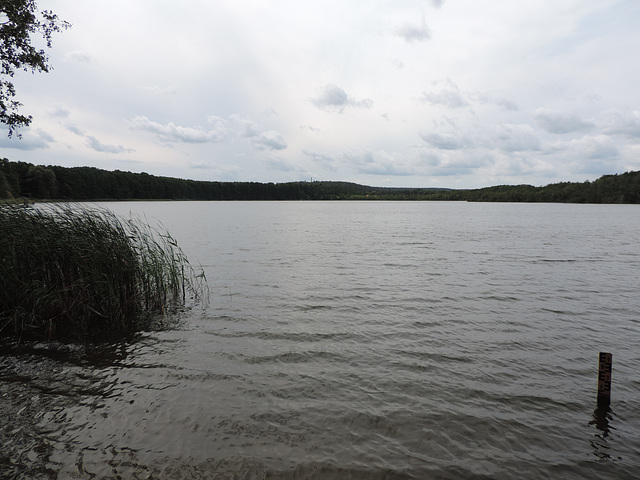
[[431, 93]]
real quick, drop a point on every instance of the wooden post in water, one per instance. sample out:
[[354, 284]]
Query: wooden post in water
[[604, 379]]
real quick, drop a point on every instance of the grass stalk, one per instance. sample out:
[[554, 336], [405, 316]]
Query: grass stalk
[[75, 273]]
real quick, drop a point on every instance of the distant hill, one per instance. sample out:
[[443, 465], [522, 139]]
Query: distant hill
[[20, 179]]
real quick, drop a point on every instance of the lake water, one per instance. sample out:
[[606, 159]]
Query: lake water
[[359, 340]]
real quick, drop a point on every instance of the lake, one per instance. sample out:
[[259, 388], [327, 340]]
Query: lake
[[360, 340]]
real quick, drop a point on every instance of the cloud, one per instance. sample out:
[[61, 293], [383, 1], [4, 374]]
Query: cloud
[[378, 163], [623, 123], [450, 98], [171, 132], [95, 144], [156, 90], [332, 97], [325, 161], [447, 165], [503, 103], [280, 165], [270, 141], [599, 147], [516, 138], [445, 142], [506, 104], [437, 3], [30, 140], [78, 56], [560, 123], [262, 140], [246, 128], [59, 112], [414, 32], [74, 129]]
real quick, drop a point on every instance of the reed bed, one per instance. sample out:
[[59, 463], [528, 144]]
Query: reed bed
[[74, 273]]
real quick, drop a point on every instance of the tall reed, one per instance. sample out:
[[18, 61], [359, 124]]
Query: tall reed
[[76, 273]]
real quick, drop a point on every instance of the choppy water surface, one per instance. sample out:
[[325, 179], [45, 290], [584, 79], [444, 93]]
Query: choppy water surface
[[356, 340]]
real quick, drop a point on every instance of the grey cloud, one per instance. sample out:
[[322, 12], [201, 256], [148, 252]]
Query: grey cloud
[[333, 97], [414, 32], [450, 98], [29, 141], [600, 147], [325, 161], [263, 140], [623, 123], [506, 104], [246, 128], [378, 163], [78, 56], [74, 129], [396, 62], [559, 123], [59, 112], [270, 141], [437, 3], [280, 165], [171, 132], [95, 144], [162, 91], [445, 142], [516, 138], [447, 166]]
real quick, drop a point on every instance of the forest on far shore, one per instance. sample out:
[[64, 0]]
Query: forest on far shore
[[37, 182]]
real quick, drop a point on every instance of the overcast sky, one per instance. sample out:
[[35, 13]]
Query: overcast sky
[[450, 93]]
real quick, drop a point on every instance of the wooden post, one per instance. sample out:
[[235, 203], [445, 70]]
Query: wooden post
[[604, 379]]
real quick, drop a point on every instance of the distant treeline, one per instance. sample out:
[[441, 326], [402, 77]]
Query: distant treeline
[[20, 179]]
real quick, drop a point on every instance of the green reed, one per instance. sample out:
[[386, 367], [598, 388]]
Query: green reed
[[84, 274]]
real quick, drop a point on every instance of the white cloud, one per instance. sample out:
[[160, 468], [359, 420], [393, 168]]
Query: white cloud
[[222, 85], [78, 56], [59, 112], [487, 99], [560, 123], [74, 129], [626, 123], [332, 97], [160, 91], [246, 128], [98, 146], [171, 132], [324, 160], [450, 98], [379, 162], [600, 147], [31, 140], [270, 141], [445, 141], [516, 138], [412, 32], [280, 165]]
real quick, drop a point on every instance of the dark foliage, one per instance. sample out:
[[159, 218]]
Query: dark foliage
[[88, 183], [19, 21]]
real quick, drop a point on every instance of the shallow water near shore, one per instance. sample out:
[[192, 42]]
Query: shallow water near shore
[[373, 340]]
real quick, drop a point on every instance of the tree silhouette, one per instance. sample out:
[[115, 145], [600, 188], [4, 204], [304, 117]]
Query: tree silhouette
[[19, 22]]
